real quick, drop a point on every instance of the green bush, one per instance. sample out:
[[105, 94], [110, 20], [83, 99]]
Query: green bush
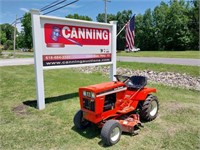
[[8, 45]]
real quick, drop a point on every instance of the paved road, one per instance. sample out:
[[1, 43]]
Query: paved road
[[179, 61], [16, 61]]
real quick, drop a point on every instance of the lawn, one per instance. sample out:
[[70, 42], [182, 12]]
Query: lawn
[[22, 126], [164, 54], [11, 56]]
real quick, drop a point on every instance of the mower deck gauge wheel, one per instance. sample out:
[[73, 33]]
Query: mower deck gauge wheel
[[111, 132]]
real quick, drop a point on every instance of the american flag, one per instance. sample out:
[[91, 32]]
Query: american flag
[[130, 33]]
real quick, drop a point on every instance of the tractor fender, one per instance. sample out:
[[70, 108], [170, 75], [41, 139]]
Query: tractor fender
[[142, 95]]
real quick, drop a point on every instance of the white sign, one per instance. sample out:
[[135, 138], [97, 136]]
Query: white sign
[[63, 43]]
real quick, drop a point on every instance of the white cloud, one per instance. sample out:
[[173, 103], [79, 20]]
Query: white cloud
[[24, 9], [74, 6]]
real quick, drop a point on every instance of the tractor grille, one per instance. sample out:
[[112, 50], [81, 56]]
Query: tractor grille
[[89, 104]]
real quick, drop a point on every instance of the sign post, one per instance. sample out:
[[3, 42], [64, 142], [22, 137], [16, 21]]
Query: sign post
[[36, 33], [113, 66], [65, 43]]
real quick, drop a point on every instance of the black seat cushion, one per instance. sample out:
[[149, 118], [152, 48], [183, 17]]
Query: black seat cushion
[[136, 82]]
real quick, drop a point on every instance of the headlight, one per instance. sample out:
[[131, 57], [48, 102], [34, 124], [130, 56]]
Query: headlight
[[92, 95], [88, 94], [84, 93]]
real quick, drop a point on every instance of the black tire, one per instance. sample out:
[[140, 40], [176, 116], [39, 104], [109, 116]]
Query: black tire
[[111, 132], [79, 121], [149, 108]]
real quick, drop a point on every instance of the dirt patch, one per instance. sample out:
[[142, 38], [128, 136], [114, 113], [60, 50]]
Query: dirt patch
[[21, 110], [172, 130], [174, 106]]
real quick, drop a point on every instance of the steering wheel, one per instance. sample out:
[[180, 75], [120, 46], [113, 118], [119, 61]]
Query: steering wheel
[[121, 78]]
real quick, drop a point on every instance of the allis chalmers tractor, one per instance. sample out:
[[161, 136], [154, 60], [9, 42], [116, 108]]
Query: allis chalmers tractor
[[116, 107]]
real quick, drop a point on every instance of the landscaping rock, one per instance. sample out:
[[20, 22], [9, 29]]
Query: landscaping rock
[[166, 78]]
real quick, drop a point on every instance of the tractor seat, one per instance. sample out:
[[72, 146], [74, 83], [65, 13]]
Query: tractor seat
[[136, 82]]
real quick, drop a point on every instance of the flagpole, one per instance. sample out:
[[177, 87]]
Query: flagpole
[[121, 30], [123, 27]]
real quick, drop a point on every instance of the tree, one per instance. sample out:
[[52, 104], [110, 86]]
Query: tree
[[20, 40], [8, 45], [76, 16], [8, 30], [2, 38], [148, 40], [6, 36], [173, 26], [159, 21], [27, 29], [193, 24], [101, 17], [177, 31], [139, 31]]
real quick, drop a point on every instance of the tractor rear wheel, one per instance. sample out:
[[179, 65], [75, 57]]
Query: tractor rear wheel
[[79, 121], [111, 132], [149, 109]]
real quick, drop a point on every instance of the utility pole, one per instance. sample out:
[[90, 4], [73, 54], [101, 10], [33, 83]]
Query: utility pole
[[14, 43], [106, 9]]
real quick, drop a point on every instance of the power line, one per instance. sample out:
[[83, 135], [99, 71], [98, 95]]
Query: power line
[[60, 7], [49, 4], [16, 21], [52, 5]]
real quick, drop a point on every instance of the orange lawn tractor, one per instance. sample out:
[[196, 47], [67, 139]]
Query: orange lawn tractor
[[117, 107]]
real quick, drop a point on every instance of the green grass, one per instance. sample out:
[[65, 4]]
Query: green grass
[[164, 54], [24, 127], [8, 54], [190, 70], [17, 51]]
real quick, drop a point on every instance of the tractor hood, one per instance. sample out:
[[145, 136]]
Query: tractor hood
[[105, 87]]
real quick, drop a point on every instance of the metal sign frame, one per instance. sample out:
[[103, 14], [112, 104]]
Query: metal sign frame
[[40, 46]]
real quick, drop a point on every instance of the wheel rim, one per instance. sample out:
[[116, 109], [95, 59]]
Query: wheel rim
[[154, 108], [115, 134]]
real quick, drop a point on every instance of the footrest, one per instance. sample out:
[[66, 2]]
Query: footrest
[[126, 110]]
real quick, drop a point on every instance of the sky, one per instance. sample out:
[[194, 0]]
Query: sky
[[10, 8]]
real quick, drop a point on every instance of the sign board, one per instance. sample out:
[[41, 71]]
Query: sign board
[[63, 43]]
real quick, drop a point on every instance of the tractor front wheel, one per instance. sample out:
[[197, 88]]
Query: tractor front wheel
[[79, 121], [149, 109], [111, 132]]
